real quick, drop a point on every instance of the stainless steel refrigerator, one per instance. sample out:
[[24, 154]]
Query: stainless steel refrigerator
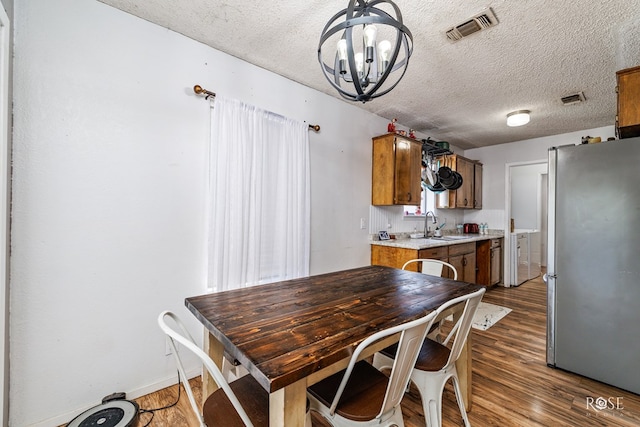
[[593, 318]]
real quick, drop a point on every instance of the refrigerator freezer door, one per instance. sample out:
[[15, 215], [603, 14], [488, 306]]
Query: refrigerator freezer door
[[594, 275]]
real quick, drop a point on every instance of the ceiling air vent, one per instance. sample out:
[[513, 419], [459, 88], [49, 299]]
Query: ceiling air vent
[[483, 20], [573, 99]]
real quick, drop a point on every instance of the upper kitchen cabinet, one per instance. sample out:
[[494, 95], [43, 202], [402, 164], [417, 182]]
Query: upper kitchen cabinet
[[397, 163], [628, 118], [469, 195], [477, 185]]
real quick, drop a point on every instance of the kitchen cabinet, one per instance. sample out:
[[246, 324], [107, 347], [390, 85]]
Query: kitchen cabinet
[[496, 265], [628, 117], [463, 257], [489, 262], [396, 169], [396, 257], [391, 256], [469, 195], [476, 262], [477, 185]]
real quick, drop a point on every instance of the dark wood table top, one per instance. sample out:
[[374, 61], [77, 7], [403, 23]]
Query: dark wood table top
[[285, 331]]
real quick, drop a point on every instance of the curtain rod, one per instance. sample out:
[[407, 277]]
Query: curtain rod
[[200, 90]]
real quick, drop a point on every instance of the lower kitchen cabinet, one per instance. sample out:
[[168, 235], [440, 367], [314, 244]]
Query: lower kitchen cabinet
[[391, 256], [489, 260], [476, 262], [463, 258]]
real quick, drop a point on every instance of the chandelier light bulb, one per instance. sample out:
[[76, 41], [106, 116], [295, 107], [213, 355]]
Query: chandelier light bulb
[[359, 57], [342, 56], [342, 49], [384, 52], [370, 32]]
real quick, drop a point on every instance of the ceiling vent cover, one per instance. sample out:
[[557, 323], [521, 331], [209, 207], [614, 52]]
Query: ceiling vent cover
[[485, 19], [573, 99]]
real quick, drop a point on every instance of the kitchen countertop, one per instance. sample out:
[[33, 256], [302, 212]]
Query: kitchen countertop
[[432, 242]]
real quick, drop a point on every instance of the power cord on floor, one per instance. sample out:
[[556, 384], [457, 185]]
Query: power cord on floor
[[153, 411]]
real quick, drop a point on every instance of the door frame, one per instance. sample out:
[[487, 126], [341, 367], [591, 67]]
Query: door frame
[[507, 216], [5, 171]]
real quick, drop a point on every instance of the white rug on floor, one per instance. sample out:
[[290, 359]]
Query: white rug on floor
[[487, 315]]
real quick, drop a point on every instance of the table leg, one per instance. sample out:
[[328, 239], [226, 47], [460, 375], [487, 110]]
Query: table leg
[[287, 406], [215, 350], [463, 366]]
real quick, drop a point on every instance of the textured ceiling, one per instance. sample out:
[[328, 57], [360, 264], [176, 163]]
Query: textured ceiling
[[461, 92]]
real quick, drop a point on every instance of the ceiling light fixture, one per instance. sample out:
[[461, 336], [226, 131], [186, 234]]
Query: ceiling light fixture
[[356, 59], [518, 118]]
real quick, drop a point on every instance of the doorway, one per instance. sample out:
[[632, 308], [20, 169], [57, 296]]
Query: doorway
[[525, 202]]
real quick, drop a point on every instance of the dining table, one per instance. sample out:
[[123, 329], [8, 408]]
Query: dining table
[[293, 333]]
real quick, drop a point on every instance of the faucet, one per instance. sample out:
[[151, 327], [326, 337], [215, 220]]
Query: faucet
[[426, 221]]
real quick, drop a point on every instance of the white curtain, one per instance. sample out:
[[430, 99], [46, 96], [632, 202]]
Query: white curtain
[[259, 210]]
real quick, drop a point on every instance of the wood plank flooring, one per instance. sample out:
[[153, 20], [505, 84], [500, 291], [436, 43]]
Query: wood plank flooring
[[512, 385]]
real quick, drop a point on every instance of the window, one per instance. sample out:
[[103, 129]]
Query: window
[[427, 203]]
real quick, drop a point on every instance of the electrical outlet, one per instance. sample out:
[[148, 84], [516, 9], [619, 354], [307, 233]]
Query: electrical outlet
[[167, 347], [363, 224]]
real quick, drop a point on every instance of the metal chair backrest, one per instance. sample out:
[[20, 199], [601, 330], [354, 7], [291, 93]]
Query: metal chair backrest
[[186, 340], [412, 334], [462, 326], [432, 267]]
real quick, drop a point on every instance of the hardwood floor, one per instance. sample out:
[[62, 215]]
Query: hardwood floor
[[512, 385]]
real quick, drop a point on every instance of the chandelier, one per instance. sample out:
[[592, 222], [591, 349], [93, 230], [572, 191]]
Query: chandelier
[[354, 57]]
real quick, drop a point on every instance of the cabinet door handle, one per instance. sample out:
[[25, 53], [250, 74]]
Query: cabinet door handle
[[492, 254], [465, 202], [409, 196], [464, 261]]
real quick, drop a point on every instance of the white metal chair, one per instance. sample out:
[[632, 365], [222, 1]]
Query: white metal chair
[[361, 395], [436, 363], [432, 267], [240, 403]]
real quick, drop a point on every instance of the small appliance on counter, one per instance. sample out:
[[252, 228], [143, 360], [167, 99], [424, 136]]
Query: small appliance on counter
[[471, 228]]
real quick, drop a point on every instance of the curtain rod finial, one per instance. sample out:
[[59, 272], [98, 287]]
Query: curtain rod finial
[[316, 128]]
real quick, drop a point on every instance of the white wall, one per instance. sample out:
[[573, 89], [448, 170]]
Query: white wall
[[498, 159], [110, 172], [525, 183]]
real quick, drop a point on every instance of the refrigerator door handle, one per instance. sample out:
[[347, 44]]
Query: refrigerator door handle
[[550, 280], [551, 257]]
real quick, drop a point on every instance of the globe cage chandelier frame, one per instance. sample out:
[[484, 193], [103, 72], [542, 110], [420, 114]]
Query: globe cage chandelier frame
[[374, 70]]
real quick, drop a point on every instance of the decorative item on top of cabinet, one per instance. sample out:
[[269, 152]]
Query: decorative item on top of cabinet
[[628, 118], [397, 164], [469, 195]]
